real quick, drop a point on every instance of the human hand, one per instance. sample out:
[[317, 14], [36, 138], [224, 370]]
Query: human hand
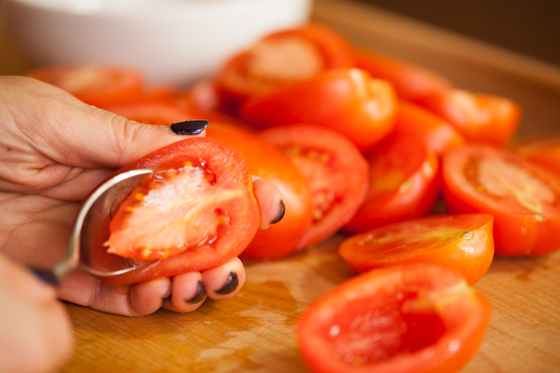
[[54, 150], [35, 332]]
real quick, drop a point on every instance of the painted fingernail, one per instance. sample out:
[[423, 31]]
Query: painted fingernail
[[281, 214], [189, 127], [200, 294], [231, 284]]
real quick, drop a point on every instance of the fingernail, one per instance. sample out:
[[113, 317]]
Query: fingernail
[[281, 214], [231, 284], [200, 294], [189, 127], [45, 275]]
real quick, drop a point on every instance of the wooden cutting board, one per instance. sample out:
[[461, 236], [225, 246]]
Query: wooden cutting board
[[254, 332]]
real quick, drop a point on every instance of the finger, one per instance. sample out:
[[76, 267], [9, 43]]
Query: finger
[[187, 293], [270, 202], [225, 281]]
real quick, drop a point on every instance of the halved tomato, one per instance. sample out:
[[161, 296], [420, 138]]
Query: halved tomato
[[280, 58], [334, 168], [415, 121], [464, 243], [196, 211], [94, 84], [346, 100], [545, 152], [403, 184], [480, 117], [523, 197], [410, 318], [269, 163]]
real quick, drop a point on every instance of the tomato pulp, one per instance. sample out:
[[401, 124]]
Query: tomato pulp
[[194, 212], [411, 318]]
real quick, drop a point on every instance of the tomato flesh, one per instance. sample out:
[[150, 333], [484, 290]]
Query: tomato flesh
[[411, 318]]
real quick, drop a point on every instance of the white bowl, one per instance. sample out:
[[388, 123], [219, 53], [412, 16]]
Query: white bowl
[[170, 40]]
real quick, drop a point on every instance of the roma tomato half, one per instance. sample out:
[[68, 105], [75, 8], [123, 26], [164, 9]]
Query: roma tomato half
[[464, 243], [195, 211], [346, 100], [524, 198], [335, 170], [404, 183], [269, 163], [410, 318], [93, 84]]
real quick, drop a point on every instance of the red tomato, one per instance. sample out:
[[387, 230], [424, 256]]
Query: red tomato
[[479, 117], [411, 82], [280, 58], [152, 112], [93, 84], [346, 100], [545, 152], [524, 198], [415, 121], [403, 184], [196, 211], [335, 170], [269, 163], [464, 243], [411, 318]]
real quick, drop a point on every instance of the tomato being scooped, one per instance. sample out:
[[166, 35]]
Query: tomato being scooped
[[196, 211], [413, 318]]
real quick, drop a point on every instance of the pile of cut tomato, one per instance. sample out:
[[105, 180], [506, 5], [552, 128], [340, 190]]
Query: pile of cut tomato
[[358, 143]]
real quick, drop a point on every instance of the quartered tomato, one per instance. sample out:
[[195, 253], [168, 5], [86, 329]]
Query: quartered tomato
[[151, 112], [403, 184], [523, 197], [411, 318], [335, 170], [464, 243], [280, 58], [415, 121], [545, 152], [412, 82], [195, 211], [269, 163], [479, 117], [346, 100], [94, 84]]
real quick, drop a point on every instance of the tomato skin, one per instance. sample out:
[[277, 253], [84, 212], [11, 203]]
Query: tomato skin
[[333, 167], [403, 184], [410, 318], [438, 134], [231, 170], [545, 152], [240, 77], [267, 162], [94, 84], [463, 243], [338, 99], [518, 230]]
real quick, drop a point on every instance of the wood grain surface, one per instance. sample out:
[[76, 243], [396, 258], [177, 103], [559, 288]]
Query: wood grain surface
[[254, 332]]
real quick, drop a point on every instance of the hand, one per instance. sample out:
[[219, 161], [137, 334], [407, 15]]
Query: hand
[[35, 333], [54, 150]]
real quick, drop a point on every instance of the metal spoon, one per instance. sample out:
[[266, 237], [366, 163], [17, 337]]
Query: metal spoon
[[91, 228]]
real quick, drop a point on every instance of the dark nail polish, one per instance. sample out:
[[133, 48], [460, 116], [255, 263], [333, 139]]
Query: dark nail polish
[[281, 214], [200, 294], [189, 127], [231, 284], [45, 275], [167, 298]]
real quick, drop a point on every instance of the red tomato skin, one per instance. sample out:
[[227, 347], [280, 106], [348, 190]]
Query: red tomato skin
[[347, 163], [544, 152], [265, 161], [231, 168], [438, 134], [517, 231], [98, 92], [464, 319], [412, 198], [471, 256], [338, 99]]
